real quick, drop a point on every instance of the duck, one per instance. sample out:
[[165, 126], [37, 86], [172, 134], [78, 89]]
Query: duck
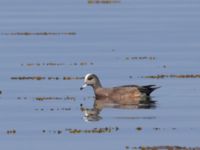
[[124, 94]]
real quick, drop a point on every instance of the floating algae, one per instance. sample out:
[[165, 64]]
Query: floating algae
[[141, 58], [45, 78], [162, 76], [47, 98], [162, 148], [82, 63], [28, 78], [72, 78], [94, 130], [49, 64], [82, 131], [103, 1], [163, 129], [42, 98], [53, 109], [54, 64], [38, 33]]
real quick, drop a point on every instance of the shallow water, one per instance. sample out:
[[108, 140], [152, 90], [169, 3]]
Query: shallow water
[[122, 42]]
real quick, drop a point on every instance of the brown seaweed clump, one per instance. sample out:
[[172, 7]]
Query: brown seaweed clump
[[47, 98], [103, 1], [94, 130], [53, 109], [161, 76], [43, 98], [39, 33], [162, 148], [72, 78], [28, 78], [82, 63], [45, 78], [141, 58], [79, 131], [48, 64]]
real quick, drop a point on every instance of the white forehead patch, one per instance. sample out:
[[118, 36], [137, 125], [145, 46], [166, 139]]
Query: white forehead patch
[[86, 76]]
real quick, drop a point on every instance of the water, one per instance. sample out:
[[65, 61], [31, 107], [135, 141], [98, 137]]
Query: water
[[108, 41]]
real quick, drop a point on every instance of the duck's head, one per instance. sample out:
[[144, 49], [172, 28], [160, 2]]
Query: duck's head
[[91, 80]]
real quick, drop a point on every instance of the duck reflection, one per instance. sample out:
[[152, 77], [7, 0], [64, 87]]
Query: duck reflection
[[93, 114]]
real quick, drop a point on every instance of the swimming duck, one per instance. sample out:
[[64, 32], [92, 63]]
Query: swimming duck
[[126, 94]]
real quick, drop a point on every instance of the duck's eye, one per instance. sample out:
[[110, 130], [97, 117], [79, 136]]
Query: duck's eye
[[90, 78]]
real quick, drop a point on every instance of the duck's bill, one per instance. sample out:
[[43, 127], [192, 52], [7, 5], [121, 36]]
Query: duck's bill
[[83, 86]]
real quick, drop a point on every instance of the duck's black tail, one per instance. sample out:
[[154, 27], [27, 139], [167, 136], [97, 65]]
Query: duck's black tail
[[148, 89]]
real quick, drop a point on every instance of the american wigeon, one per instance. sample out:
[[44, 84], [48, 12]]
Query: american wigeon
[[126, 94]]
